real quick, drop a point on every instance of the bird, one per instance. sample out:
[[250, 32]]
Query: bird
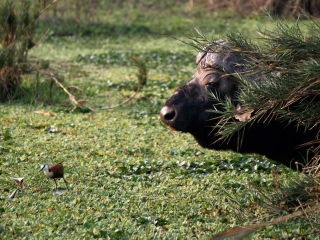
[[54, 171]]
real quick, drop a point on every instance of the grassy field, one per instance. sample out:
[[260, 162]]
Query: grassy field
[[130, 177]]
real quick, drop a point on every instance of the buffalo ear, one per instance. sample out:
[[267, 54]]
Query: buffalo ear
[[219, 55], [200, 56], [244, 113], [212, 54]]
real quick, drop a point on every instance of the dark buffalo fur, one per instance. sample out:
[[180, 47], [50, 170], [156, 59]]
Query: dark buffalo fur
[[186, 111]]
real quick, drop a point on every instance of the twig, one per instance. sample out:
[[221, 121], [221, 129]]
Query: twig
[[41, 12], [125, 101], [304, 212], [71, 97], [142, 77], [300, 236], [241, 232], [76, 103]]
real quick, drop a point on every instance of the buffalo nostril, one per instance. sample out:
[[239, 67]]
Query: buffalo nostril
[[167, 114]]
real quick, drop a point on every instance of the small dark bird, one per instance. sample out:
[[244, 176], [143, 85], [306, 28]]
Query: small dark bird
[[54, 171]]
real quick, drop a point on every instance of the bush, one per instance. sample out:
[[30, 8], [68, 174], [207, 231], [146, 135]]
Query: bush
[[281, 84], [17, 27]]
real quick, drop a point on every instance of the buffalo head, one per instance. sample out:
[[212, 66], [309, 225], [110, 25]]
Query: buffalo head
[[187, 111]]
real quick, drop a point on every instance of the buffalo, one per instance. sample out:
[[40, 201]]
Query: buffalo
[[188, 110]]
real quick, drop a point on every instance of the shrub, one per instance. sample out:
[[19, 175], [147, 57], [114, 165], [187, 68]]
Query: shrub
[[17, 27], [282, 82]]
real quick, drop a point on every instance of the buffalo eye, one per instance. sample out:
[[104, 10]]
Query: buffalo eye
[[212, 85]]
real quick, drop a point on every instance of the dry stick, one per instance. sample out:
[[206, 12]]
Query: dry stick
[[49, 5], [142, 82], [71, 97], [304, 212], [125, 101], [241, 232]]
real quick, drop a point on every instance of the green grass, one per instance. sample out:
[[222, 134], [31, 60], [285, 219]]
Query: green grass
[[130, 177]]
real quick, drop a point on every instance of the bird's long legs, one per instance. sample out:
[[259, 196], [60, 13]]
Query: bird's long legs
[[66, 183], [55, 180]]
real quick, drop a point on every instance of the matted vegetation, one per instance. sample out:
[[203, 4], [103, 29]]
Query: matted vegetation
[[130, 177]]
